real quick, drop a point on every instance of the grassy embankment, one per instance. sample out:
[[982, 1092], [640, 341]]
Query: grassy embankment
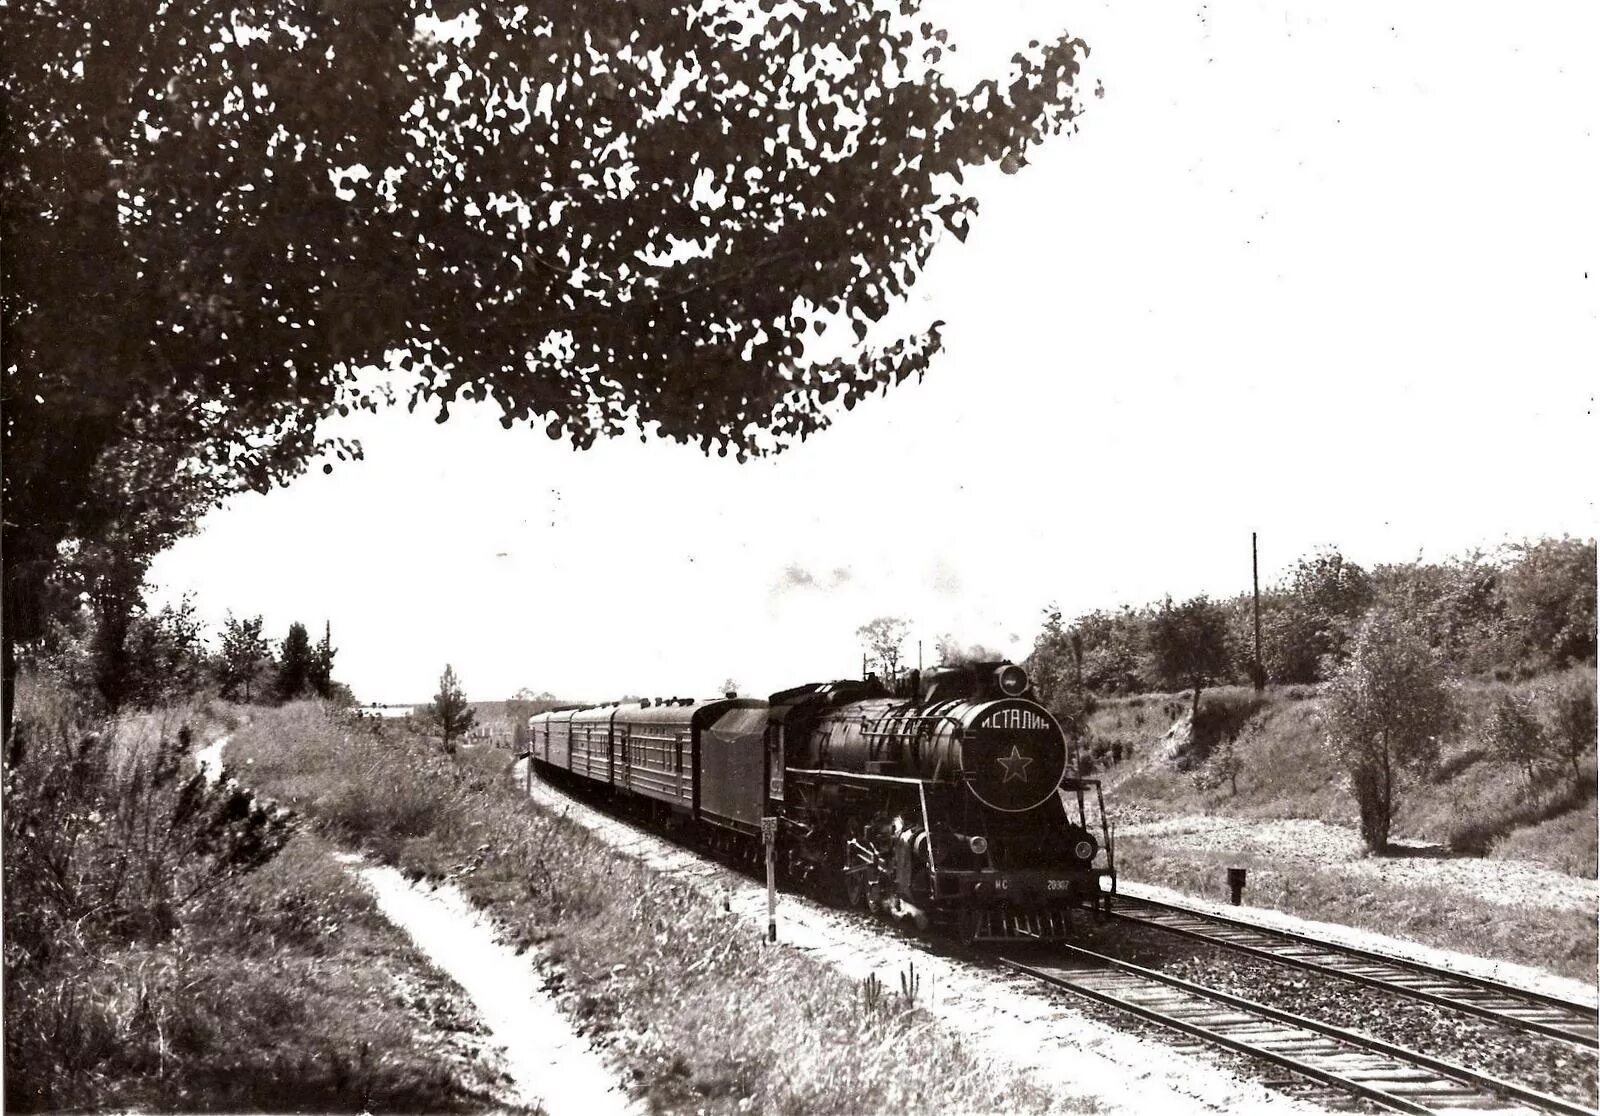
[[706, 1015], [1471, 805], [175, 946]]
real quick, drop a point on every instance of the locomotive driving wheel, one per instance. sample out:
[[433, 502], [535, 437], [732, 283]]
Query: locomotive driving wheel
[[855, 888]]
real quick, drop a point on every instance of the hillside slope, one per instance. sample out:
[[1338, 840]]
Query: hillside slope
[[1483, 861]]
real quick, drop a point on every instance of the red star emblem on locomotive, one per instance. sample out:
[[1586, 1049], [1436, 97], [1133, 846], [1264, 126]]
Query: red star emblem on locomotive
[[1015, 765]]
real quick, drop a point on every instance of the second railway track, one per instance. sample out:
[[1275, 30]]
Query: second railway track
[[1513, 1007], [1352, 1063]]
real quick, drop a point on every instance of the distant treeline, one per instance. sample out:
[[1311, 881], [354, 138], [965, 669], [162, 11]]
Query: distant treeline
[[115, 659], [1523, 610]]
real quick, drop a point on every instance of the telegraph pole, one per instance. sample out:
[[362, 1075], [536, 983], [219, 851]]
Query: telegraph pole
[[1255, 582]]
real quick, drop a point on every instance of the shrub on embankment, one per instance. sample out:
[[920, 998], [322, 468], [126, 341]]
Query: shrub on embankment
[[705, 1013], [171, 944]]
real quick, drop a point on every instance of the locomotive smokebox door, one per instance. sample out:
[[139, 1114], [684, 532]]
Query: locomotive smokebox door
[[1013, 756]]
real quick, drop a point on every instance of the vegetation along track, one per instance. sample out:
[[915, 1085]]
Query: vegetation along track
[[1513, 1007], [1354, 1064]]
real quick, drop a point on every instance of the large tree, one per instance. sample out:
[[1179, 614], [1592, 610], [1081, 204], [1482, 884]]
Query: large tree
[[602, 215]]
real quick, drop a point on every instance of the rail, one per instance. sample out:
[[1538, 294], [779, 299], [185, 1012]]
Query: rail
[[1534, 1012], [1389, 1075]]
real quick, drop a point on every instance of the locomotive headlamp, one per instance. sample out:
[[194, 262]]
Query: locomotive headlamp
[[1012, 680], [978, 845], [1084, 850]]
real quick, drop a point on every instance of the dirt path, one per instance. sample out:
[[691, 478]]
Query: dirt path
[[1002, 1016], [552, 1065]]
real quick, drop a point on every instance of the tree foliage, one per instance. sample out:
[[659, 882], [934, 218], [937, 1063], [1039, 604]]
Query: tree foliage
[[1571, 705], [882, 640], [450, 710], [242, 657], [1510, 614], [1512, 733], [296, 661], [1223, 766], [596, 216], [1384, 713], [1321, 604], [1189, 644], [320, 675], [1549, 593]]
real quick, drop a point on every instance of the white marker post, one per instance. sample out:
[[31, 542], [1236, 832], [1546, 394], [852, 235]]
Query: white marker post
[[769, 837]]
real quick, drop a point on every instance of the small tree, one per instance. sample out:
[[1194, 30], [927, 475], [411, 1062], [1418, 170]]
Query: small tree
[[1384, 712], [1571, 707], [1189, 644], [1512, 733], [1223, 767], [294, 664], [882, 639], [450, 709], [243, 655]]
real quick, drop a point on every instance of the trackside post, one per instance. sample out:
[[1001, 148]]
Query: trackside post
[[769, 838]]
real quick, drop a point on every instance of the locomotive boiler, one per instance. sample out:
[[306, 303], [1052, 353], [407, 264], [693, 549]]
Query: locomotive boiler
[[951, 799]]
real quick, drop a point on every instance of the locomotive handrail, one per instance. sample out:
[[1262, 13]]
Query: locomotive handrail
[[862, 775]]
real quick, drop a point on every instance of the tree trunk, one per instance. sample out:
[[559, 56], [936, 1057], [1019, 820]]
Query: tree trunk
[[1388, 801], [1194, 709]]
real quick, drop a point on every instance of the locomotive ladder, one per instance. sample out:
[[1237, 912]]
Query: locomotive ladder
[[1514, 1007], [1392, 1076]]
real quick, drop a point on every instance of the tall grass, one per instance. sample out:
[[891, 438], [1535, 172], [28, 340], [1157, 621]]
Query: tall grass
[[168, 946]]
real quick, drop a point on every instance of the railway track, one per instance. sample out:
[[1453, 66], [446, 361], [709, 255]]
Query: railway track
[[1528, 1011], [1354, 1064]]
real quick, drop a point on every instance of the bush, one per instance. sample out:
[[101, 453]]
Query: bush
[[1570, 707], [1512, 734], [1223, 716], [113, 842], [114, 832]]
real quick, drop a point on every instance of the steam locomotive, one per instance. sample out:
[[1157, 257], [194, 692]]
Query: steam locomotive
[[951, 799]]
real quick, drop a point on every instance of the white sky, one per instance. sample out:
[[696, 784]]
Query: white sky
[[1322, 271]]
